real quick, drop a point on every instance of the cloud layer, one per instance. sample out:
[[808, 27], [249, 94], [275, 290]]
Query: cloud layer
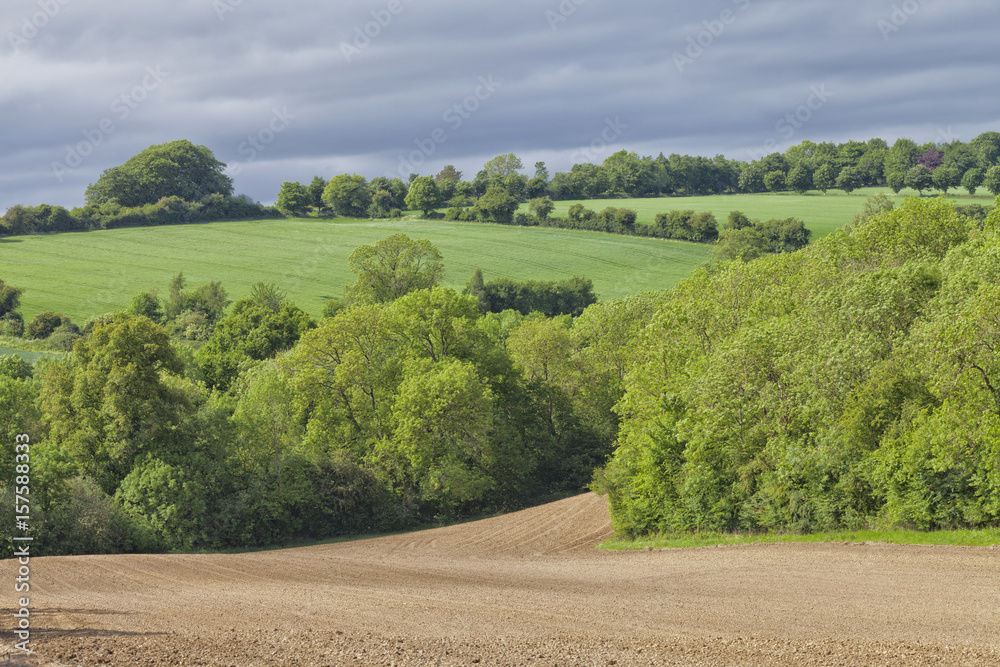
[[286, 91]]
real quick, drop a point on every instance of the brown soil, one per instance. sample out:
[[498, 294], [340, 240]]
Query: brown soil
[[524, 589]]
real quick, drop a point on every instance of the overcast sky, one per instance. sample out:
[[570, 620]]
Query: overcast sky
[[288, 90]]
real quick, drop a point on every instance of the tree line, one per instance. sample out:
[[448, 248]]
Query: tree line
[[178, 182]]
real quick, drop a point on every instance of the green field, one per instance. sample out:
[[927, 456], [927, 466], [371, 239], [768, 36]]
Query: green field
[[822, 214], [968, 537], [88, 273]]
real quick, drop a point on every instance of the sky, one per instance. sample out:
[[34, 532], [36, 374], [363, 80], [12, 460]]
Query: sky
[[284, 91]]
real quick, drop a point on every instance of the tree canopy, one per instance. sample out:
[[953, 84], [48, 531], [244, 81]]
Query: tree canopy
[[175, 169], [392, 268]]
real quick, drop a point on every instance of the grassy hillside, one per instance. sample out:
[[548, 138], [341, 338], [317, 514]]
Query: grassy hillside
[[821, 213], [84, 274]]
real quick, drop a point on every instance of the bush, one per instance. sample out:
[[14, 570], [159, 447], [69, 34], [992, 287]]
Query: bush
[[88, 521], [15, 367], [12, 324], [45, 324], [64, 337]]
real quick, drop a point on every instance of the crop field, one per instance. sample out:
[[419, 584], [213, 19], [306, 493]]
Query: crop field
[[822, 214], [521, 589], [88, 273]]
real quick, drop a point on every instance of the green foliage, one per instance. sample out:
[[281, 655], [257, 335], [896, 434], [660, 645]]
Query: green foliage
[[849, 180], [193, 314], [739, 241], [167, 498], [87, 521], [148, 305], [117, 400], [824, 178], [688, 226], [416, 389], [774, 181], [919, 178], [423, 195], [392, 268], [10, 298], [945, 178], [992, 180], [175, 169], [800, 179], [541, 206], [256, 329], [852, 384], [551, 298], [348, 195], [503, 165], [14, 367], [497, 205], [972, 179], [294, 198], [44, 324]]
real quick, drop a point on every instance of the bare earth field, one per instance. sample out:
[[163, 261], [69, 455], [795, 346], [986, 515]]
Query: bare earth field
[[524, 589]]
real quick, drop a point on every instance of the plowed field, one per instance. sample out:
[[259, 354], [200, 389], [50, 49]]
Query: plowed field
[[523, 589]]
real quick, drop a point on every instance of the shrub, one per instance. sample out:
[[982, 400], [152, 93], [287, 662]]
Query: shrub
[[45, 324]]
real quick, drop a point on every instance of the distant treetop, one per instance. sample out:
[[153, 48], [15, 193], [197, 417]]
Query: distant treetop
[[178, 168]]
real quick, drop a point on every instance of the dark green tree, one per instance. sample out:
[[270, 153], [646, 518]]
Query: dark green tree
[[347, 195], [992, 180], [919, 178], [775, 181], [800, 179], [316, 187], [824, 178], [10, 298], [541, 206], [497, 205], [254, 330], [423, 195], [178, 168], [972, 179], [849, 179], [294, 198]]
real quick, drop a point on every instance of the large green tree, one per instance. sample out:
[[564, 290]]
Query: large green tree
[[393, 267], [503, 165], [178, 168], [498, 205], [423, 195], [253, 330], [348, 195], [119, 399], [294, 198]]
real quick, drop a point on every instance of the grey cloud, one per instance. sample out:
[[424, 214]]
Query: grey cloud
[[360, 114]]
